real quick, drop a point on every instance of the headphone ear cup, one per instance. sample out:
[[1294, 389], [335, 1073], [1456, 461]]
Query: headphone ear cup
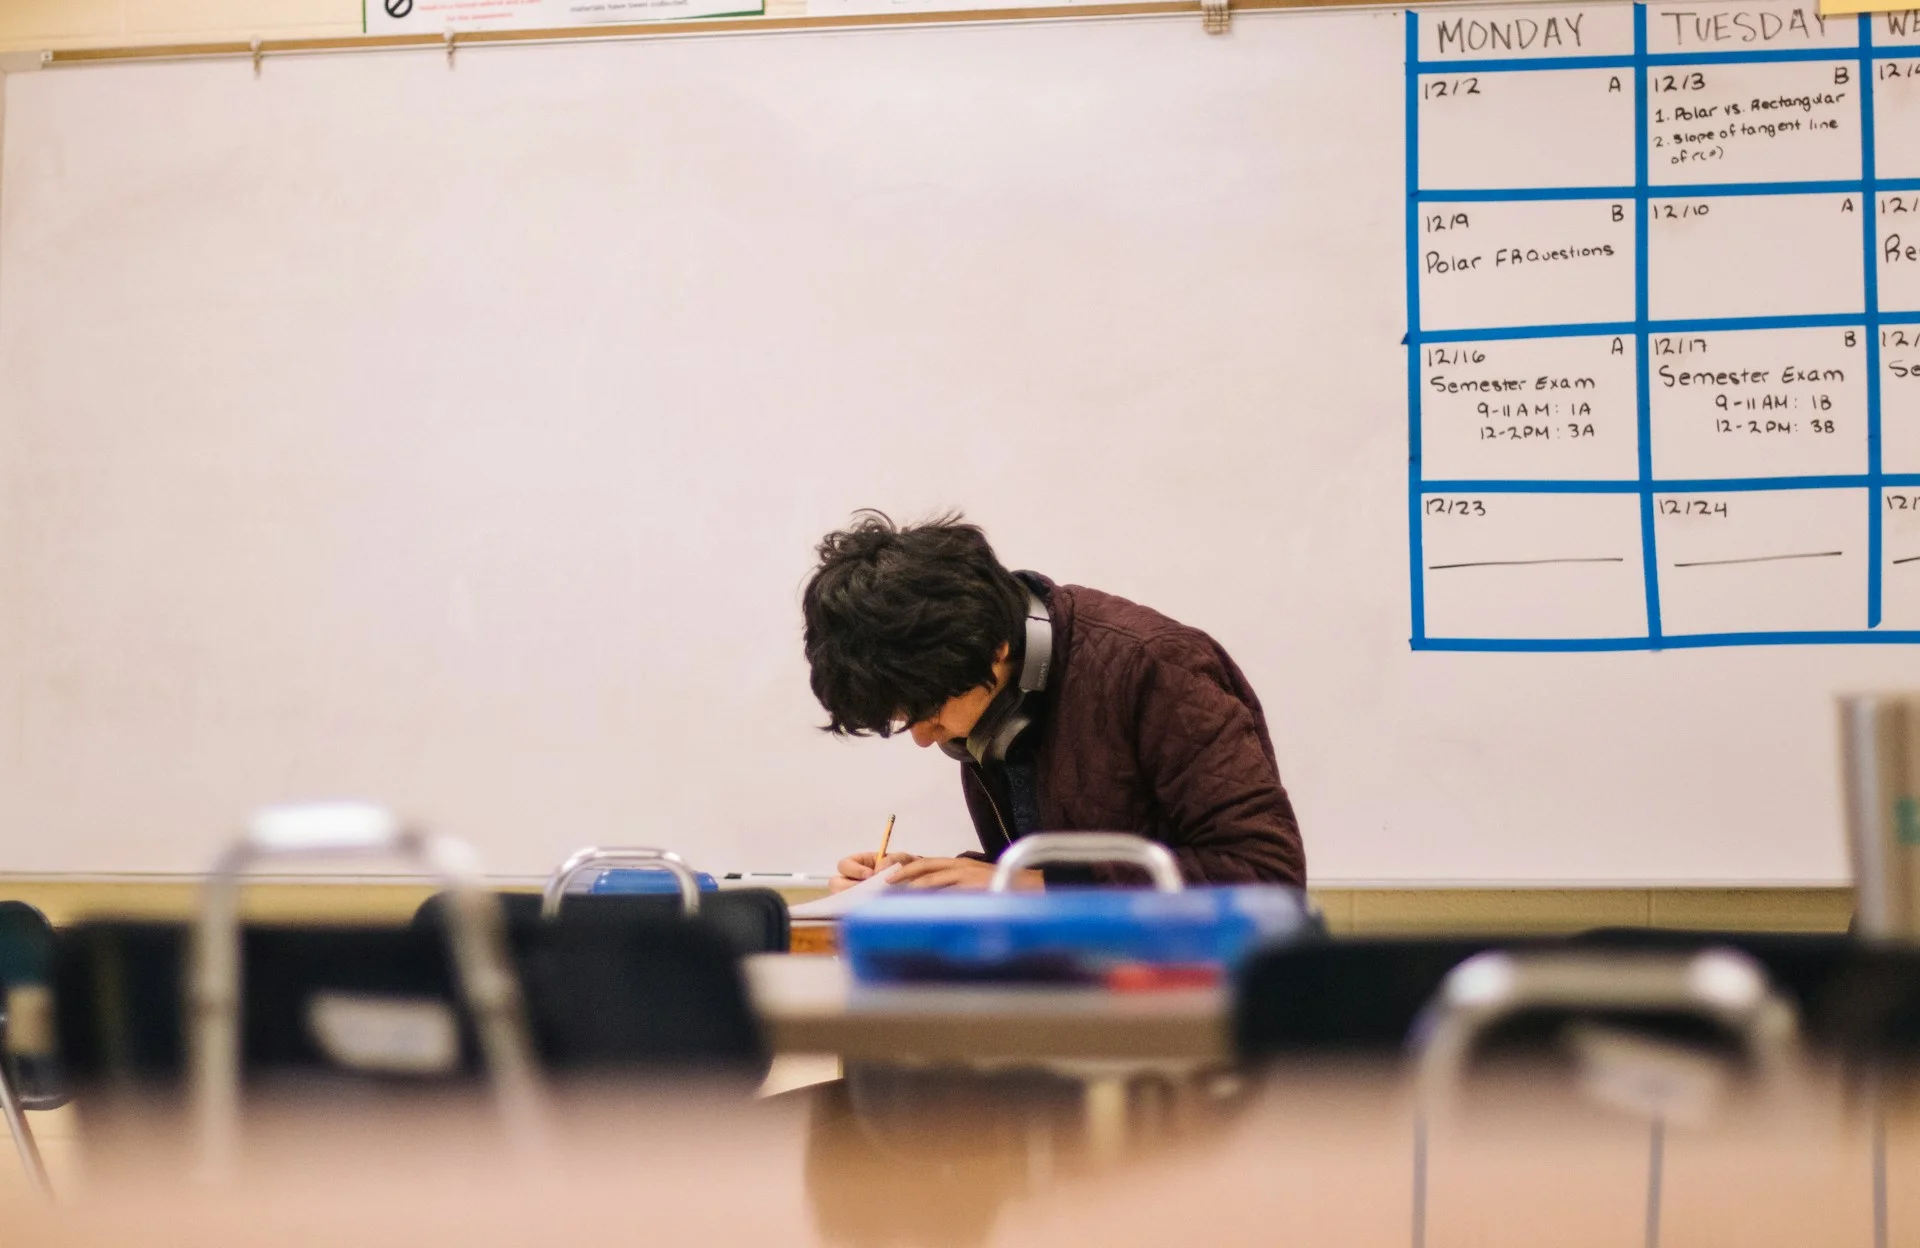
[[990, 736], [1005, 718], [1008, 732]]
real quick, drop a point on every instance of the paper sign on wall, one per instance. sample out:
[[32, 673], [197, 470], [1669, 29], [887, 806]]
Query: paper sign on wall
[[864, 8], [432, 17]]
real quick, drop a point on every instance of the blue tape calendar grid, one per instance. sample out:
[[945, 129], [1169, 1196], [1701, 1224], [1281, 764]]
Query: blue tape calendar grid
[[1870, 244], [1643, 392], [1416, 560], [1870, 320]]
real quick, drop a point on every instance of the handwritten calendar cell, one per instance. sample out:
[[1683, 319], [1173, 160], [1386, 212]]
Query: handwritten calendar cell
[[1900, 557], [1755, 255], [1899, 252], [1737, 28], [1547, 128], [1795, 121], [1900, 398], [1546, 262], [1758, 403], [1762, 560], [1899, 29], [1532, 565], [1530, 408], [1896, 117], [1526, 33]]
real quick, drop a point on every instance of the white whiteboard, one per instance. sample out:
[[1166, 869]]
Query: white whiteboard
[[458, 438]]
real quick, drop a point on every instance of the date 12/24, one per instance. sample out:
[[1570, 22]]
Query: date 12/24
[[1709, 507]]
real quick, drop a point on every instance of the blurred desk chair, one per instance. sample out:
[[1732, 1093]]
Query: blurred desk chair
[[751, 920], [30, 1075], [1648, 1032], [1865, 1013], [1344, 998], [174, 1016]]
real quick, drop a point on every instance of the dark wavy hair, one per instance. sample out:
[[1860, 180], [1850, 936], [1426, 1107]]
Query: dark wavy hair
[[901, 618]]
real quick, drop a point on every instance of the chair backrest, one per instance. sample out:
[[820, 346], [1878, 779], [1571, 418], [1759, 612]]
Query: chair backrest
[[632, 998], [1867, 1008], [1343, 997], [1799, 964], [750, 920], [1361, 996], [27, 949]]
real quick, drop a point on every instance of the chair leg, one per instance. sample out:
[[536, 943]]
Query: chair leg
[[22, 1134], [1656, 1164]]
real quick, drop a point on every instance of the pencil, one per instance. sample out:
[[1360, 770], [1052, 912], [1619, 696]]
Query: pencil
[[886, 838]]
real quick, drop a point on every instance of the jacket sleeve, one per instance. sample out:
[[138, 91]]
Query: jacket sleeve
[[1206, 758]]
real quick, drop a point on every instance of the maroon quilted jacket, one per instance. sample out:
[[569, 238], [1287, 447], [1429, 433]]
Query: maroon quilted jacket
[[1149, 727]]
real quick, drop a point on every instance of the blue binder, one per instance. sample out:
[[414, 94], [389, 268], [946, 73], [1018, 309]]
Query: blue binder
[[647, 880], [1083, 935]]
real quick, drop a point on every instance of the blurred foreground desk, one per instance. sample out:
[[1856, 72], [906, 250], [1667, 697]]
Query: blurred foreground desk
[[811, 1005]]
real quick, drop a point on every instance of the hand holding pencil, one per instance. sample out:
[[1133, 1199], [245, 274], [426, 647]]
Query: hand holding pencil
[[857, 867]]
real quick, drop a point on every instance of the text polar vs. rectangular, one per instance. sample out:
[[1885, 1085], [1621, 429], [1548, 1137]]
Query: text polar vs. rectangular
[[1663, 268]]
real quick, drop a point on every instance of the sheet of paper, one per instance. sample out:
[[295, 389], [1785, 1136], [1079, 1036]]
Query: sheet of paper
[[404, 17], [835, 905]]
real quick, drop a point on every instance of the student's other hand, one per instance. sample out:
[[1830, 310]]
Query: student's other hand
[[851, 870], [957, 873]]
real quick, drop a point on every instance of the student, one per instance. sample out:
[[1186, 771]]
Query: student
[[1068, 709]]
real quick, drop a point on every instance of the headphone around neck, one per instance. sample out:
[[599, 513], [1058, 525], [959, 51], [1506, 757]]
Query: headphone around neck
[[1006, 717]]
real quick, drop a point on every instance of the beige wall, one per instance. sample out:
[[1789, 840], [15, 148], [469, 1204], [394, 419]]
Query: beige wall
[[35, 24]]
